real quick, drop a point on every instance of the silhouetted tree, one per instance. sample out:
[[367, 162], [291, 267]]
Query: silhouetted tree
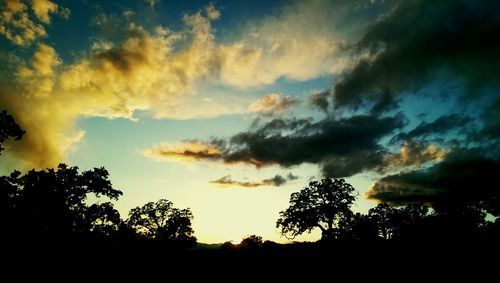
[[396, 223], [102, 219], [9, 202], [8, 128], [324, 204], [227, 246], [458, 220], [384, 216], [362, 227], [413, 222], [161, 221], [251, 241], [53, 203]]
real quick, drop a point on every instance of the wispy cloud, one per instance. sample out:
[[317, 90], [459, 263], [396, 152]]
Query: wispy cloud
[[227, 181], [186, 151]]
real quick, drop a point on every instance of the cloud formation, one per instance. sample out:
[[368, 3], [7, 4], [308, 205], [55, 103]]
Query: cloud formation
[[142, 72], [414, 154], [272, 104], [342, 147], [305, 40], [418, 41], [441, 125], [187, 151], [319, 100], [465, 175], [227, 181], [22, 22], [154, 70]]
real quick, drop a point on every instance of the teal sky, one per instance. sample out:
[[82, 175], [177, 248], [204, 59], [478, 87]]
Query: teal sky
[[150, 89]]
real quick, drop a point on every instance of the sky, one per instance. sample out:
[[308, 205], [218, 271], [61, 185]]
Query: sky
[[228, 107]]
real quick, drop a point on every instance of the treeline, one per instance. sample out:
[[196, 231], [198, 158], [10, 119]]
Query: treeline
[[326, 205], [53, 205]]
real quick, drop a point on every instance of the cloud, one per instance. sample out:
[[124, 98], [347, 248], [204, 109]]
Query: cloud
[[336, 144], [291, 177], [212, 13], [465, 175], [319, 99], [304, 40], [152, 3], [187, 151], [272, 104], [19, 26], [441, 125], [38, 79], [45, 60], [342, 147], [142, 72], [415, 154], [491, 120], [155, 70], [43, 9], [418, 41], [227, 181]]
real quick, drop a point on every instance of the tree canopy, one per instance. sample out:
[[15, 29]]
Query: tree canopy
[[8, 128], [161, 221], [53, 202], [324, 204]]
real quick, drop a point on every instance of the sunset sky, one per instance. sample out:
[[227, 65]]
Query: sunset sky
[[227, 107]]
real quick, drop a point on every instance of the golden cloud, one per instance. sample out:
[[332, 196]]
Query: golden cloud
[[146, 72], [187, 151], [271, 104], [413, 154], [299, 43], [17, 25], [142, 72]]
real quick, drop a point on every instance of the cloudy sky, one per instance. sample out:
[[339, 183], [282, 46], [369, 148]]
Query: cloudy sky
[[228, 107]]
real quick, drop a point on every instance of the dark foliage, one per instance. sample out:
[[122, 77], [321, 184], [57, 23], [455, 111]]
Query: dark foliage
[[52, 204], [8, 128], [161, 221], [324, 204]]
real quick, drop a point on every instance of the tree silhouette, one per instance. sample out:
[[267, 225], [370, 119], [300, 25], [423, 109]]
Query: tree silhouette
[[384, 216], [161, 221], [53, 203], [324, 204], [8, 128], [102, 219], [362, 227], [397, 223], [252, 241]]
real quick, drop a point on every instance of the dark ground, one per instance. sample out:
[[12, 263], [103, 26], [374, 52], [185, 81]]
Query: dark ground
[[311, 261]]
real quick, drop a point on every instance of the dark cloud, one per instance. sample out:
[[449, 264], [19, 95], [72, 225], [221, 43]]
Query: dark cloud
[[123, 58], [320, 100], [441, 125], [491, 120], [291, 177], [342, 147], [465, 175], [275, 181], [410, 45]]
